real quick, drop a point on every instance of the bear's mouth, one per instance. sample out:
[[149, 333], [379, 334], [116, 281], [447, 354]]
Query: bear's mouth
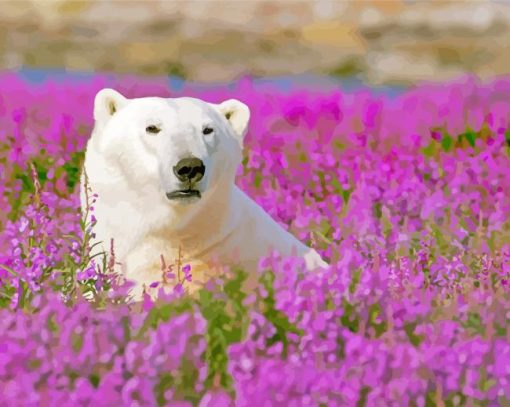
[[183, 194]]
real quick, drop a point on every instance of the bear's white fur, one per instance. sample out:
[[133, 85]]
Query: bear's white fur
[[129, 163]]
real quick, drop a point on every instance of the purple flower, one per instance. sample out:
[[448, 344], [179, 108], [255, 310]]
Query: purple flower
[[187, 272], [414, 305]]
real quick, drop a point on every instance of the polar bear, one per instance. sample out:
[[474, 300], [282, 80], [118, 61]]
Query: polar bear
[[164, 172]]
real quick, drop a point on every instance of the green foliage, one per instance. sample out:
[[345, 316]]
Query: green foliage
[[364, 392], [72, 168], [182, 384], [162, 312], [258, 180], [470, 136], [447, 142], [349, 318], [276, 317], [166, 382], [95, 379], [356, 277], [19, 200], [429, 151], [227, 321], [6, 295], [346, 195], [377, 210], [374, 312], [460, 400], [409, 328], [474, 324]]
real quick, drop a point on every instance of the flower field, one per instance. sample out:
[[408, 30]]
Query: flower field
[[407, 197]]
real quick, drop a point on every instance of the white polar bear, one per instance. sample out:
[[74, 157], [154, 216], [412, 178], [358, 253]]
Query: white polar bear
[[164, 171]]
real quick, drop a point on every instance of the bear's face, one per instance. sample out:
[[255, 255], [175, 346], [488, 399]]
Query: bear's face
[[183, 147]]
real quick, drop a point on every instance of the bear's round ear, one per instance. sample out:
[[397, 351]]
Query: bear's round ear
[[237, 115], [107, 103]]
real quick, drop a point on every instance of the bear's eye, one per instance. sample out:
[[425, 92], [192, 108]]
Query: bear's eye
[[207, 130], [152, 129]]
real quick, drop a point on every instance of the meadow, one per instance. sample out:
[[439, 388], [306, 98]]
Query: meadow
[[407, 196]]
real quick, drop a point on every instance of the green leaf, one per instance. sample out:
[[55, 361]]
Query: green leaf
[[346, 194], [447, 142], [429, 150], [94, 379], [470, 136], [475, 323], [377, 210], [76, 342], [349, 318], [73, 169], [373, 312], [258, 180], [413, 338], [362, 401], [356, 277]]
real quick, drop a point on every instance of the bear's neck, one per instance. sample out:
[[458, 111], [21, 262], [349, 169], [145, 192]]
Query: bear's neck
[[198, 233]]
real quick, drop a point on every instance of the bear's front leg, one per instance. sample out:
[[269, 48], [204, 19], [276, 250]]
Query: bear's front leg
[[149, 261], [143, 266]]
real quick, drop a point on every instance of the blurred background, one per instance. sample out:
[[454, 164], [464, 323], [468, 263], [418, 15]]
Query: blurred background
[[378, 42]]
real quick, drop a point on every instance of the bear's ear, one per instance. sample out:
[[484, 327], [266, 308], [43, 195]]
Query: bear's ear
[[238, 116], [107, 103]]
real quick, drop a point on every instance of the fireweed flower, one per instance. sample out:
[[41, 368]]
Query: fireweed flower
[[187, 272], [407, 198]]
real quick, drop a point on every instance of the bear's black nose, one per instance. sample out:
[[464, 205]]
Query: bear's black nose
[[189, 169]]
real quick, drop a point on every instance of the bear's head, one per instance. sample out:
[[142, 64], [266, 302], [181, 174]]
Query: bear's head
[[182, 147]]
